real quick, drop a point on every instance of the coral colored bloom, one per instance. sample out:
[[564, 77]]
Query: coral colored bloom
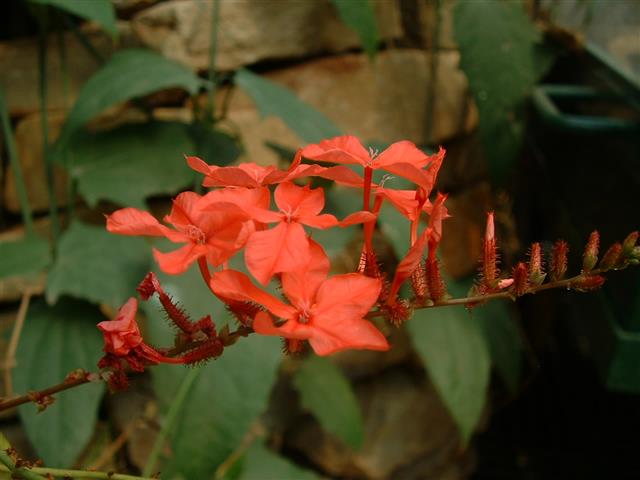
[[251, 175], [328, 312], [122, 337], [401, 158], [213, 226], [285, 247]]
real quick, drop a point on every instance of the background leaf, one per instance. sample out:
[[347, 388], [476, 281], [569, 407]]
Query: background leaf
[[229, 393], [454, 351], [98, 266], [359, 15], [327, 394], [128, 74], [259, 463], [273, 99], [55, 341], [132, 162], [502, 57], [28, 256], [100, 11]]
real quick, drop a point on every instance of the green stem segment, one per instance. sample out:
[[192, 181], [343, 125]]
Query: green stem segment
[[16, 168], [48, 160], [43, 473], [172, 415]]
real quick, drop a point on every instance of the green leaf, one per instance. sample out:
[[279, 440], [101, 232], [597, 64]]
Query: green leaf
[[454, 351], [259, 463], [359, 15], [98, 266], [128, 74], [504, 339], [328, 395], [100, 11], [28, 256], [502, 57], [56, 341], [273, 99], [229, 393], [132, 162], [213, 146]]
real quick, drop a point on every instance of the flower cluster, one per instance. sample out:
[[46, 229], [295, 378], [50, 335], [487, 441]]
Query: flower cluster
[[331, 313], [327, 311]]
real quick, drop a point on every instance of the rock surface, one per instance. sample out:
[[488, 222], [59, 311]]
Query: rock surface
[[19, 73], [30, 148], [251, 31]]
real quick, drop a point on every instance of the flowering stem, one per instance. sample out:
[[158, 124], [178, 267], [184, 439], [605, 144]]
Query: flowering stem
[[204, 271]]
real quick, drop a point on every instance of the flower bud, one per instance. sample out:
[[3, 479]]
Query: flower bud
[[489, 254], [611, 258], [590, 257], [536, 274], [435, 283], [588, 283], [558, 266], [629, 244], [520, 279]]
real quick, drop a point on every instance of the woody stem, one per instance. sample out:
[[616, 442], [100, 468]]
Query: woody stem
[[76, 380]]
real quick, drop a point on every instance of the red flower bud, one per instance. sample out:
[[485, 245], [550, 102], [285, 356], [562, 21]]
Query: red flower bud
[[590, 257], [419, 283], [435, 283], [558, 265], [490, 270], [520, 279], [536, 273], [629, 244], [611, 258], [588, 283], [398, 313]]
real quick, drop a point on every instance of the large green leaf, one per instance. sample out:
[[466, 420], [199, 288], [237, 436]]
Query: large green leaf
[[128, 74], [226, 397], [98, 266], [454, 351], [502, 57], [261, 464], [273, 99], [504, 339], [100, 11], [28, 256], [130, 163], [501, 333], [327, 394], [359, 15], [56, 341]]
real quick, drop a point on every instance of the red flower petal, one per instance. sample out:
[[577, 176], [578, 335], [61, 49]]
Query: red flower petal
[[284, 248], [346, 149], [299, 201], [131, 221], [263, 324], [300, 286], [401, 152], [236, 286], [178, 261]]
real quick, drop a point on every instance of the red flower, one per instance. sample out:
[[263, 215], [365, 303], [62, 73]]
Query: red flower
[[328, 312], [252, 175], [122, 337], [401, 158], [213, 226], [285, 247], [122, 333]]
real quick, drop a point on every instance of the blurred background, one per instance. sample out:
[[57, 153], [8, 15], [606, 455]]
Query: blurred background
[[537, 103]]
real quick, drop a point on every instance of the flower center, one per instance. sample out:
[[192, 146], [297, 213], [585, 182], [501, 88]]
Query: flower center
[[289, 214], [195, 234], [304, 316]]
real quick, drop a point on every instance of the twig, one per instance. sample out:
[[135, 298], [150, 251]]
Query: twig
[[108, 453], [44, 473], [10, 357], [257, 430]]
